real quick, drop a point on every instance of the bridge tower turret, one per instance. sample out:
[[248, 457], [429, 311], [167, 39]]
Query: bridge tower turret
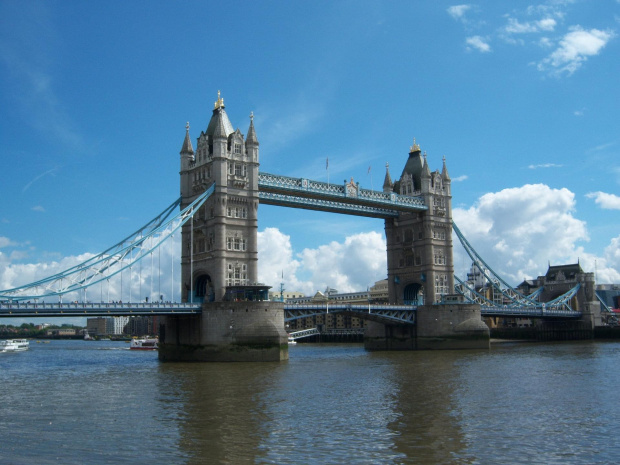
[[219, 246], [419, 245]]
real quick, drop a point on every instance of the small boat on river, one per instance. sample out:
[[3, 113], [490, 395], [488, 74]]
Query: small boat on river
[[144, 343], [14, 345]]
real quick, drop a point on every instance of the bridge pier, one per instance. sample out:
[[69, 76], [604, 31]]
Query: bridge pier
[[246, 331], [448, 326]]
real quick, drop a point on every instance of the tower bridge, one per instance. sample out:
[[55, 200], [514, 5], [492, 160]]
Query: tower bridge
[[224, 314]]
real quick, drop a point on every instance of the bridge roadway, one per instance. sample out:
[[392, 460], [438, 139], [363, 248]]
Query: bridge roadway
[[90, 309], [539, 311], [403, 314]]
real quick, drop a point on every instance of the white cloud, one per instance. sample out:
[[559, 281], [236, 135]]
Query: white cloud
[[38, 208], [574, 49], [458, 11], [6, 242], [460, 178], [519, 230], [478, 43], [606, 201], [515, 27], [349, 266], [544, 165], [136, 284]]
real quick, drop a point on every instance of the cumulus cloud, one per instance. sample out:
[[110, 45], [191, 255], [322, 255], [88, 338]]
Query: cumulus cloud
[[463, 177], [519, 230], [349, 266], [5, 242], [606, 201], [574, 49], [515, 27], [135, 284], [458, 11], [478, 43]]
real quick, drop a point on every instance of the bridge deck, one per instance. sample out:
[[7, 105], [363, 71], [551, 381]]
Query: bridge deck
[[395, 313], [88, 309]]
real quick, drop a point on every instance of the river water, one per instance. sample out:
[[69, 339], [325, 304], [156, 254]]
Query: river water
[[76, 402]]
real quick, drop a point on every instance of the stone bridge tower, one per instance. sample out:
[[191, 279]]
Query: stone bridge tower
[[219, 247], [219, 258], [419, 245]]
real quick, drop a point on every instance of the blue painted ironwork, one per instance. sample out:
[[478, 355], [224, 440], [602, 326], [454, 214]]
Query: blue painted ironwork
[[287, 200], [80, 309], [294, 335], [541, 311], [112, 261], [404, 314], [317, 195], [511, 296]]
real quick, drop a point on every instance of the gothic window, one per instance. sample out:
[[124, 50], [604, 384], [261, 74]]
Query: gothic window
[[231, 168], [237, 149], [236, 242], [439, 233], [237, 274], [237, 169], [441, 286]]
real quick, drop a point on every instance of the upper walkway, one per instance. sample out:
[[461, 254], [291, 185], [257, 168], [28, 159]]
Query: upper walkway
[[346, 198]]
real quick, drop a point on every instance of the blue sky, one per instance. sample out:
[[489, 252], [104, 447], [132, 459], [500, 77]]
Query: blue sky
[[522, 100]]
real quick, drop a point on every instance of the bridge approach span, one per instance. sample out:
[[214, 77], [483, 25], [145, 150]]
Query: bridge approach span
[[80, 309]]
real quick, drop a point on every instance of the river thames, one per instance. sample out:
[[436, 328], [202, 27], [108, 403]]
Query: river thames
[[76, 402]]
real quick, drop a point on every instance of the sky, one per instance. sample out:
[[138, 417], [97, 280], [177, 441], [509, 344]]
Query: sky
[[522, 100]]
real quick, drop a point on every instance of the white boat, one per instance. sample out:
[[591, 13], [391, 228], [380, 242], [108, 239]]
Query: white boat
[[14, 345], [291, 340], [145, 343]]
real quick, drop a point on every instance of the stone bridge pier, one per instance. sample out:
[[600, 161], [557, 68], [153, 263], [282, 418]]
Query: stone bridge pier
[[449, 326]]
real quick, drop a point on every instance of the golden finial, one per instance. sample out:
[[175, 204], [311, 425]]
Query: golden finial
[[415, 147], [219, 102]]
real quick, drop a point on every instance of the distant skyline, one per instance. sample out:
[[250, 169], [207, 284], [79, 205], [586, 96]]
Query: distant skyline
[[522, 100]]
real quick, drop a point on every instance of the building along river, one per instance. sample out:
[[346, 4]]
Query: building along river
[[75, 402]]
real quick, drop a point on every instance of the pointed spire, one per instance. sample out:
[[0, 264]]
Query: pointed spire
[[220, 126], [187, 143], [426, 171], [388, 185], [251, 139], [444, 170]]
